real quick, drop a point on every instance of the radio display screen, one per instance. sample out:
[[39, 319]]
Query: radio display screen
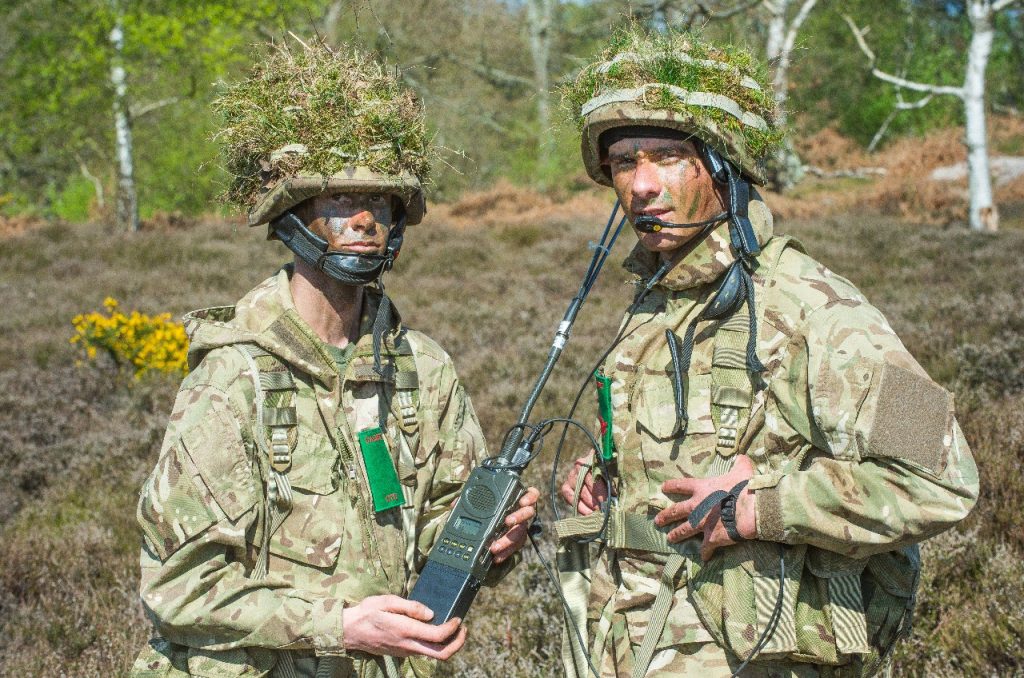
[[467, 526]]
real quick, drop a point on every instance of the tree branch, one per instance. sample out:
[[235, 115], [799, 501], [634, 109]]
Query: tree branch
[[136, 112], [1000, 5], [901, 105], [926, 88], [495, 76], [730, 13]]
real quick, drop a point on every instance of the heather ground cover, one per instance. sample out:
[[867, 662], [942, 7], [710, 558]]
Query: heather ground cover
[[77, 441]]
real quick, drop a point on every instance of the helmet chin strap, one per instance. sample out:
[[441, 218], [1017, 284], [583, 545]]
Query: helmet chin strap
[[346, 267]]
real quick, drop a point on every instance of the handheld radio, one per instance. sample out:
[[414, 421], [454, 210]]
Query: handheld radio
[[460, 559]]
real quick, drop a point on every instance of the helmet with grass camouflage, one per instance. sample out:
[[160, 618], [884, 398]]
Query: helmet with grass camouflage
[[677, 81], [310, 119]]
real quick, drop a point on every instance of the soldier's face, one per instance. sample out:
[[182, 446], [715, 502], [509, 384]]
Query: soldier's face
[[663, 177], [357, 223]]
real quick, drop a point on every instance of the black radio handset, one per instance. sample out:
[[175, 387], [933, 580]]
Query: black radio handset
[[460, 559]]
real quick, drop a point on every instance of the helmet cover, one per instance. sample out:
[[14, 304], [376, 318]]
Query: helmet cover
[[310, 119], [677, 81]]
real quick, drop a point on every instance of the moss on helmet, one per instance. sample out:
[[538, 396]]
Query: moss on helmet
[[637, 57], [314, 110]]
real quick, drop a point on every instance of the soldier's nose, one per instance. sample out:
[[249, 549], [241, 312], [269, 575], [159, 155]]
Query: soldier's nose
[[646, 183], [363, 222]]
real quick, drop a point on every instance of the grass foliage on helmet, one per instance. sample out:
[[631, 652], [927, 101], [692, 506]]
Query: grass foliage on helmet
[[311, 110], [720, 93]]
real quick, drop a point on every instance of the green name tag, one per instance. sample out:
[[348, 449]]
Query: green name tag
[[384, 485], [604, 415]]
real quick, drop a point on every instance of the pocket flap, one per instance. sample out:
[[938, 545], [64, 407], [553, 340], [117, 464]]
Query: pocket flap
[[654, 405], [313, 464]]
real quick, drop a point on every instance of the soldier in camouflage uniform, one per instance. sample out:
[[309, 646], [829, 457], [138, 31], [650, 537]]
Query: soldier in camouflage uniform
[[774, 453], [313, 453]]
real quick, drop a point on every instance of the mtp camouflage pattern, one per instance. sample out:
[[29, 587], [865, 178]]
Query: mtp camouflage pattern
[[857, 455], [202, 508]]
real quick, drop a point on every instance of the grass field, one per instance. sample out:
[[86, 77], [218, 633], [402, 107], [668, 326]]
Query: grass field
[[77, 441]]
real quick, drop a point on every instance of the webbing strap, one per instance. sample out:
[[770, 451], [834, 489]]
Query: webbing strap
[[732, 390], [659, 615], [630, 531]]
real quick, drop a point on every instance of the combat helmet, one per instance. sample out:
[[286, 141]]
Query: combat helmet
[[310, 119], [718, 95]]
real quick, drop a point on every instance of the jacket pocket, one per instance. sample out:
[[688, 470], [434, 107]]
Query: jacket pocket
[[737, 594], [161, 659], [839, 583], [312, 531], [890, 592]]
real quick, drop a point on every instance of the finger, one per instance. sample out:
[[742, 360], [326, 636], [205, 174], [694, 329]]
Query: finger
[[585, 509], [409, 608], [444, 651], [568, 491], [680, 485], [683, 532], [600, 491], [530, 498], [523, 515], [428, 633], [680, 510], [508, 543]]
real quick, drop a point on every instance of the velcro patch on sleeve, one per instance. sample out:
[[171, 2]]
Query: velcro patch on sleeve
[[911, 419]]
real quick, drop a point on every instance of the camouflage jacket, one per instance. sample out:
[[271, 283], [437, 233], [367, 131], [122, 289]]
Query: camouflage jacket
[[857, 452], [201, 509]]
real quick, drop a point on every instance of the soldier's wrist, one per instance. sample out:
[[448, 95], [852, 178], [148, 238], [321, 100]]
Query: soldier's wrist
[[746, 514]]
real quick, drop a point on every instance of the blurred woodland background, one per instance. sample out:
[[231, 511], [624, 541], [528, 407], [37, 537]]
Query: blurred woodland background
[[106, 130]]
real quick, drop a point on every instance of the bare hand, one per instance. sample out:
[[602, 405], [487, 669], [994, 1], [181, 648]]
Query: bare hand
[[392, 625], [698, 489], [593, 491], [518, 524]]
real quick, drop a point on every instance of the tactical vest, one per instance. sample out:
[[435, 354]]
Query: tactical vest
[[275, 432], [834, 611]]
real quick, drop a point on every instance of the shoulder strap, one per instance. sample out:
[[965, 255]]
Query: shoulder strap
[[732, 385], [276, 435], [276, 421]]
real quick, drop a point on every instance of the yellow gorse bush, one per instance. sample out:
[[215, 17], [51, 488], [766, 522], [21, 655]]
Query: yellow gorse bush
[[144, 342]]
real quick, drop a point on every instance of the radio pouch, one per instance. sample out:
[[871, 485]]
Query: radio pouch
[[380, 470]]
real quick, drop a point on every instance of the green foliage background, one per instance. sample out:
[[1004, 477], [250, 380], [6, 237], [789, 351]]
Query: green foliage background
[[468, 59]]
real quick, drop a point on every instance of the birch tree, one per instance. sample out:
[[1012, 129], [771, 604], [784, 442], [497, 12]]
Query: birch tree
[[782, 30], [983, 214], [538, 21], [127, 197]]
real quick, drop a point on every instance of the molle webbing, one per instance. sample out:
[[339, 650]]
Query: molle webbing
[[278, 410], [275, 434], [732, 388]]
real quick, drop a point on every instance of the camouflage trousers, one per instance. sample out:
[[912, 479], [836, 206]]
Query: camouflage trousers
[[706, 660]]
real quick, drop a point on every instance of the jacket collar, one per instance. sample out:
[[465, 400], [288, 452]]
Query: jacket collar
[[267, 316]]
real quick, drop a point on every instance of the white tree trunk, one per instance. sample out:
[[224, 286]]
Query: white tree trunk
[[127, 201], [786, 169], [983, 213], [538, 16]]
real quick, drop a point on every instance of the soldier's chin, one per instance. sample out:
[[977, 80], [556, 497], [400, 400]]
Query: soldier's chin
[[664, 240]]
